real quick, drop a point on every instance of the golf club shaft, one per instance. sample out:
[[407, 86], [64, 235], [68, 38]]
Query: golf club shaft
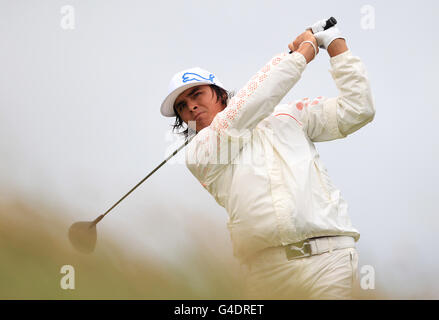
[[143, 180]]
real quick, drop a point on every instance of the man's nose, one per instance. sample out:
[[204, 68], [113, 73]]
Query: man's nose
[[192, 106]]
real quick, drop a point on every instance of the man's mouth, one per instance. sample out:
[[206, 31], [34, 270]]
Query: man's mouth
[[197, 116]]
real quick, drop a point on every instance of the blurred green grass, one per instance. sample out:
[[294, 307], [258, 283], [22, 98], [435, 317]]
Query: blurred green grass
[[34, 246]]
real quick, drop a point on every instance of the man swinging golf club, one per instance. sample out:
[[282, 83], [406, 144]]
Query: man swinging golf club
[[288, 223]]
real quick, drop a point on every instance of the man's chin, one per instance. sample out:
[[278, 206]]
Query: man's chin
[[201, 124]]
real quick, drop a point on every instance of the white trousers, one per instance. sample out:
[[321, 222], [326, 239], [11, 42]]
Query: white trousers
[[329, 275]]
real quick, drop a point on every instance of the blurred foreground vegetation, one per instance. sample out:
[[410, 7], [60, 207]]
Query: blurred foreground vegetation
[[34, 246]]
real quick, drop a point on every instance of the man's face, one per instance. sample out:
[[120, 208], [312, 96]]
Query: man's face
[[198, 104]]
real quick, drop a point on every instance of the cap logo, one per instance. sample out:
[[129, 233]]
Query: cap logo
[[190, 76]]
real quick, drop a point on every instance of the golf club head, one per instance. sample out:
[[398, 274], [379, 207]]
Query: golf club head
[[82, 236]]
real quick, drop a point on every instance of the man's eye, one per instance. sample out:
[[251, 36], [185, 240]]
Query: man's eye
[[197, 93]]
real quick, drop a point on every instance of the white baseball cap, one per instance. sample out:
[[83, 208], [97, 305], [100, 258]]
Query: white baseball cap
[[183, 80]]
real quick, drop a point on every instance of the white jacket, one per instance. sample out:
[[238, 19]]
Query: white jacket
[[258, 159]]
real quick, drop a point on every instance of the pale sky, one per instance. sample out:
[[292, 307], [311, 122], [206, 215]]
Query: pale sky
[[80, 122]]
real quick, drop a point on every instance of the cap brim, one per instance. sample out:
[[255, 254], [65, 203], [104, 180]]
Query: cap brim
[[167, 108]]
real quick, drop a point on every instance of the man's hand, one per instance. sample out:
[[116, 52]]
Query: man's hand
[[306, 49], [329, 39], [324, 38]]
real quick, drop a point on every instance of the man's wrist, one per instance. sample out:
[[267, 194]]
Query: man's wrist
[[337, 47], [307, 50]]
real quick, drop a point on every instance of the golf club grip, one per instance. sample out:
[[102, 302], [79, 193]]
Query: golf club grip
[[329, 23]]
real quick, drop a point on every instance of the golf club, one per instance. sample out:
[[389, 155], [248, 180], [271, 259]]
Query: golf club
[[83, 235]]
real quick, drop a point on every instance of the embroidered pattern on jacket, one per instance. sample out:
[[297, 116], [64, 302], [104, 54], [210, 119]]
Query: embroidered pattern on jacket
[[222, 122]]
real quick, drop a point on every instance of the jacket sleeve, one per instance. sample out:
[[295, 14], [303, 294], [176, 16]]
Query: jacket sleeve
[[220, 142], [257, 99], [325, 119]]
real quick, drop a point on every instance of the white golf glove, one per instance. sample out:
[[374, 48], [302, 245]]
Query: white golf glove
[[325, 37]]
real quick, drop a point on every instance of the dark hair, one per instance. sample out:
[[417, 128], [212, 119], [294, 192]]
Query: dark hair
[[221, 95]]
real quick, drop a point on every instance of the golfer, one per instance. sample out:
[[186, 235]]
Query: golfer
[[288, 223]]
